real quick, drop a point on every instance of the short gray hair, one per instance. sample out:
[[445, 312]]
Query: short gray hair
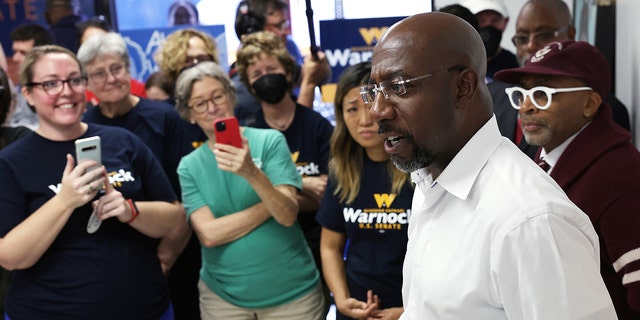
[[184, 85], [99, 46]]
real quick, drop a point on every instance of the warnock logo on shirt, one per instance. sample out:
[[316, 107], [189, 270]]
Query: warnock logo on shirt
[[381, 218], [305, 169], [116, 179]]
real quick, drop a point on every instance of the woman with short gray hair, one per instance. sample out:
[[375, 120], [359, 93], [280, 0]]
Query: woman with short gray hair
[[241, 203], [106, 63], [189, 76]]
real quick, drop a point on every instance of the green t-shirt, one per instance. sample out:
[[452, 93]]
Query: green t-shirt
[[270, 266]]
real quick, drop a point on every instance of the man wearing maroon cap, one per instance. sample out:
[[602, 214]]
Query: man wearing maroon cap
[[559, 96], [538, 23], [542, 21]]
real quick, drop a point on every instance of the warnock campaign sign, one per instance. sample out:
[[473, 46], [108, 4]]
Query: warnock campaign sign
[[143, 44], [346, 42]]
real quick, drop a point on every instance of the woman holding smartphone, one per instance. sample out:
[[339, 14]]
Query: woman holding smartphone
[[241, 203], [61, 268], [363, 182]]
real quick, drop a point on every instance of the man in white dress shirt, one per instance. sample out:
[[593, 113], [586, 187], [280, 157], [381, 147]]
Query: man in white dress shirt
[[492, 236]]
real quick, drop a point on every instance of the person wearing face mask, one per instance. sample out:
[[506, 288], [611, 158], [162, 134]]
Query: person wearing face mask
[[272, 16], [492, 20], [266, 69]]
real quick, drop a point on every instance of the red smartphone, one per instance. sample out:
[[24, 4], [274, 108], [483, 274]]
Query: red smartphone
[[227, 131]]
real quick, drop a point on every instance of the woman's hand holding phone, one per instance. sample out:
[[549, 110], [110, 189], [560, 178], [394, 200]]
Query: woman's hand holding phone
[[79, 184], [235, 160]]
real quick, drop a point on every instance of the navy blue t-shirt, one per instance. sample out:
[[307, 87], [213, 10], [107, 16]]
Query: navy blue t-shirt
[[308, 138], [160, 127], [375, 225], [111, 274]]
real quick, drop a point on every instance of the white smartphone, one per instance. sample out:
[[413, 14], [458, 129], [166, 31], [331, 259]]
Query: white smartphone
[[89, 149]]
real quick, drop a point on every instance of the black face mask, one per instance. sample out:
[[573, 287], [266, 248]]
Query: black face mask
[[271, 88], [491, 38]]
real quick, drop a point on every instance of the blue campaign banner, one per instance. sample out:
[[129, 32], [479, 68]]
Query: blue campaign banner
[[16, 12], [346, 42], [143, 44]]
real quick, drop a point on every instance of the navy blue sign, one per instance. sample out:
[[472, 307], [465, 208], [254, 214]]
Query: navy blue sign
[[143, 44], [348, 42]]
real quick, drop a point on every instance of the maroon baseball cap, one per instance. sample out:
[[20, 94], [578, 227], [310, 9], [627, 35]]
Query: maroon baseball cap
[[575, 59]]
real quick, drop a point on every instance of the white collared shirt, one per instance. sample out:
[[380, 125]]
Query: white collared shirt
[[494, 237]]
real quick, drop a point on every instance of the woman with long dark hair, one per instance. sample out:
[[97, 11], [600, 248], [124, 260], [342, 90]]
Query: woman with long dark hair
[[367, 202]]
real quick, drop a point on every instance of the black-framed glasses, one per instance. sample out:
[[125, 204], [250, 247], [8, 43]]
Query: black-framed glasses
[[54, 87], [100, 76], [397, 86], [541, 97], [218, 98], [539, 38]]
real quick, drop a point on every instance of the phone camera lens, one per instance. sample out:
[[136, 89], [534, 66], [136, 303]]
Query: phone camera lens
[[221, 126]]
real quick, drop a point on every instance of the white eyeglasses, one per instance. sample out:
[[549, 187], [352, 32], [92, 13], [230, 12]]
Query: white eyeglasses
[[539, 96]]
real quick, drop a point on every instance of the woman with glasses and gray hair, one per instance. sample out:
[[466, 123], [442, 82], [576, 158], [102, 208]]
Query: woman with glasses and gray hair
[[106, 61], [80, 242], [241, 203]]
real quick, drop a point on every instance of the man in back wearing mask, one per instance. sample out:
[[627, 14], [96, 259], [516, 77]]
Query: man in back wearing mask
[[492, 20]]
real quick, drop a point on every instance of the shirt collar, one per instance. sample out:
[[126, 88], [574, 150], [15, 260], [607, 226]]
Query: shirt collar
[[460, 174]]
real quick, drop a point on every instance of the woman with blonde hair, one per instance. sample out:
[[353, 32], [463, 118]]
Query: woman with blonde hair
[[81, 242], [183, 49], [367, 201]]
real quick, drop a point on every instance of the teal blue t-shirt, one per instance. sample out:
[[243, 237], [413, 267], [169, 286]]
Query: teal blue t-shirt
[[270, 266]]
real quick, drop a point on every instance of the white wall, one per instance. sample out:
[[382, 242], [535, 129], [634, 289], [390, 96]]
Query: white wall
[[628, 61]]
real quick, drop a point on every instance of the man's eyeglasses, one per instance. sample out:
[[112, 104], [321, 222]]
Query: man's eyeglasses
[[99, 77], [218, 98], [397, 86], [54, 87], [539, 38], [539, 96]]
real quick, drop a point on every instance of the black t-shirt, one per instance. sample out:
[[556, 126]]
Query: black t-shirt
[[160, 127], [375, 225], [504, 60], [11, 134], [308, 138], [111, 274]]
